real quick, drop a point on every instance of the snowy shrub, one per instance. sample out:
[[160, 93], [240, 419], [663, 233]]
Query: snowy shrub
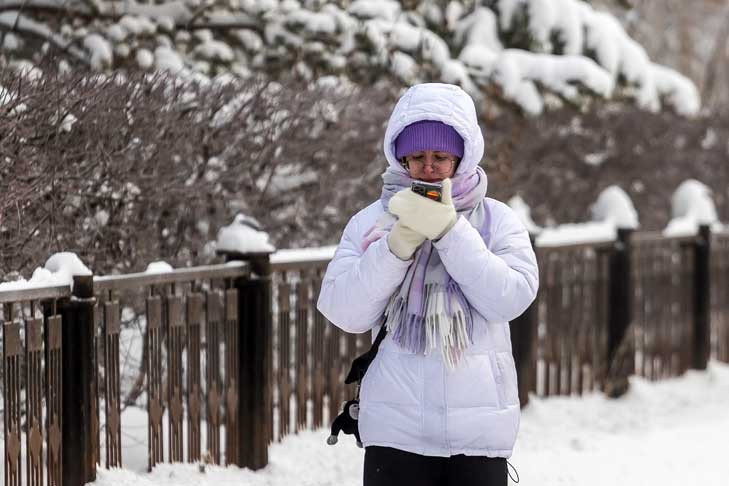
[[128, 170], [124, 170], [560, 162]]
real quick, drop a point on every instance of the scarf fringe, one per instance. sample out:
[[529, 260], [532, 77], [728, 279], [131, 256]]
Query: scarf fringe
[[446, 323]]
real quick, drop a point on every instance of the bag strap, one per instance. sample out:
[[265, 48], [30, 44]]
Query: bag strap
[[379, 338], [361, 363]]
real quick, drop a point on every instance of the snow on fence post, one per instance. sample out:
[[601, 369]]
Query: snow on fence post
[[702, 303], [694, 213], [523, 339], [621, 344], [243, 240], [78, 378]]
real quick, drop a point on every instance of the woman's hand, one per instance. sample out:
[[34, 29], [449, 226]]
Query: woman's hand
[[403, 241], [431, 219]]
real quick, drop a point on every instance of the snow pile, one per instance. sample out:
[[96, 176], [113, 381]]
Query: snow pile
[[101, 56], [612, 210], [159, 267], [27, 70], [523, 211], [375, 9], [213, 50], [59, 269], [68, 122], [7, 97], [167, 59], [11, 42], [304, 254], [145, 59], [67, 263], [576, 233], [567, 441], [243, 235], [691, 206], [614, 206]]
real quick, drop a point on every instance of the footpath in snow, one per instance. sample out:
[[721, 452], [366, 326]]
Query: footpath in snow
[[672, 432]]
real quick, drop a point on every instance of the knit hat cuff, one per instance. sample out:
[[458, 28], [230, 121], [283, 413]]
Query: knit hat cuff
[[428, 135]]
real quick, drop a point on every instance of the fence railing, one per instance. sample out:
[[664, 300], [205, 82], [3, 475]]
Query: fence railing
[[31, 390], [61, 360], [637, 305], [235, 356], [311, 356]]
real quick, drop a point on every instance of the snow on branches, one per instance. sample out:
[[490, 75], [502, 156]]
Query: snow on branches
[[529, 53]]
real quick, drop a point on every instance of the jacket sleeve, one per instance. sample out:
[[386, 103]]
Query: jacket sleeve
[[499, 283], [357, 285]]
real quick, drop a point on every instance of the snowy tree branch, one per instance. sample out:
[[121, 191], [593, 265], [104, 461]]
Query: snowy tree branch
[[531, 48], [14, 22]]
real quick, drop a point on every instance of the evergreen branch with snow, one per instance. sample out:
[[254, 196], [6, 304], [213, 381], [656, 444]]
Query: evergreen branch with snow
[[537, 53]]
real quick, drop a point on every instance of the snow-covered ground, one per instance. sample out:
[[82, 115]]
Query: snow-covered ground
[[672, 432]]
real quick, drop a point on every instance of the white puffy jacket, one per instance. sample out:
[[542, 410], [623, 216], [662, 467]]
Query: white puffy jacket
[[412, 402]]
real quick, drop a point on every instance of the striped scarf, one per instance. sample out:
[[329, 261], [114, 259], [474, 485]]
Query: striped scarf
[[429, 307]]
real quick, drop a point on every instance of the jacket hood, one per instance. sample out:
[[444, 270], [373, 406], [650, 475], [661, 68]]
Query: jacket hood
[[446, 103]]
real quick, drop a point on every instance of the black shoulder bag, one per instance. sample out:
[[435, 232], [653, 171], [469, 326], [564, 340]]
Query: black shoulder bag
[[347, 421]]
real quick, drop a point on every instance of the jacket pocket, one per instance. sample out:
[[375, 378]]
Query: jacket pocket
[[507, 378], [473, 383], [498, 379], [392, 378]]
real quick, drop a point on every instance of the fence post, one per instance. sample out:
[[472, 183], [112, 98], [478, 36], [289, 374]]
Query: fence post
[[78, 378], [621, 344], [254, 363], [702, 302], [523, 338]]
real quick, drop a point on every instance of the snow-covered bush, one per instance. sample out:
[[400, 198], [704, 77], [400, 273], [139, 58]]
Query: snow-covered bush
[[151, 168], [560, 162]]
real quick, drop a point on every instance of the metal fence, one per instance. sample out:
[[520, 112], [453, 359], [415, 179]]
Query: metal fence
[[237, 356]]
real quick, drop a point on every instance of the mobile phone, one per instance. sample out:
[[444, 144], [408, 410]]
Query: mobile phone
[[431, 190]]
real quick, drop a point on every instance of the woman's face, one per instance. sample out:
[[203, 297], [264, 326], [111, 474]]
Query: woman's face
[[430, 165]]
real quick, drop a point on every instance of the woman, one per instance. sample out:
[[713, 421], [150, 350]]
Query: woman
[[439, 404]]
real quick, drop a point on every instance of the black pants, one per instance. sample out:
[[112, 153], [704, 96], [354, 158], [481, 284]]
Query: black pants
[[384, 466]]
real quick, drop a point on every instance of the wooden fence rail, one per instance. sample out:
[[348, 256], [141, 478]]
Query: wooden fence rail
[[61, 354], [237, 356], [311, 355]]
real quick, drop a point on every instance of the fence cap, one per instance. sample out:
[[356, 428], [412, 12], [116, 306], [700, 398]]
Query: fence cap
[[243, 236], [235, 255], [132, 280]]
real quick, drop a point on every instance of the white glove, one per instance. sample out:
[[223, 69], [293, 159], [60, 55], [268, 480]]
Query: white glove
[[403, 241], [430, 218]]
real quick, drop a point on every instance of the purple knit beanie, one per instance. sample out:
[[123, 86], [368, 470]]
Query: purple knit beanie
[[428, 135]]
